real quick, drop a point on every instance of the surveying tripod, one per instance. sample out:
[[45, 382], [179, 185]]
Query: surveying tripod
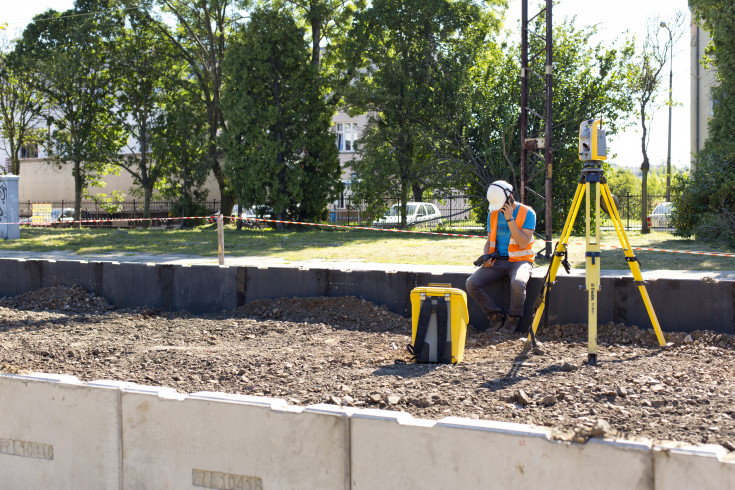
[[592, 145]]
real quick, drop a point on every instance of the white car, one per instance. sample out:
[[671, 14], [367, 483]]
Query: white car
[[660, 218], [253, 212], [416, 213], [262, 211]]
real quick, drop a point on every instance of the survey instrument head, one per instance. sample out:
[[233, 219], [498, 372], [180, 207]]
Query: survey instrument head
[[592, 140]]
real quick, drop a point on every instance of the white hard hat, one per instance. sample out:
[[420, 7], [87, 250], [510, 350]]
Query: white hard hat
[[497, 193]]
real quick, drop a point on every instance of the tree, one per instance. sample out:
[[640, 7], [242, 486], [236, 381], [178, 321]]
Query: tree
[[646, 77], [65, 53], [328, 22], [279, 148], [201, 40], [21, 106], [589, 80], [145, 73], [179, 142], [415, 55], [705, 207]]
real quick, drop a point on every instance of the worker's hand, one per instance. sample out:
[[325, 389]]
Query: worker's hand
[[507, 209], [481, 260]]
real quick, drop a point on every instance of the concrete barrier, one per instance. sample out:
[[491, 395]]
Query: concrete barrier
[[278, 282], [72, 272], [204, 289], [213, 440], [683, 468], [389, 288], [467, 454], [19, 276], [130, 285], [57, 433], [213, 289]]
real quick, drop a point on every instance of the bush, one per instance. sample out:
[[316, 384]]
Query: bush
[[705, 203]]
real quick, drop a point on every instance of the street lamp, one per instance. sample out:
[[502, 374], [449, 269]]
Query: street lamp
[[671, 76]]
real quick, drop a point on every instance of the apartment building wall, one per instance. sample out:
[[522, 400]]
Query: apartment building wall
[[701, 102], [42, 182]]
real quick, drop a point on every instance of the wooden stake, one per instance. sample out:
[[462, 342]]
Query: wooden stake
[[220, 240]]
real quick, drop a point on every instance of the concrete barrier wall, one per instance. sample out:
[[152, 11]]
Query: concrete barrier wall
[[227, 441], [56, 432], [464, 453], [212, 289]]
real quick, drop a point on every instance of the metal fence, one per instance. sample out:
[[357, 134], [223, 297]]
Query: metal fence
[[629, 208], [129, 210], [457, 212]]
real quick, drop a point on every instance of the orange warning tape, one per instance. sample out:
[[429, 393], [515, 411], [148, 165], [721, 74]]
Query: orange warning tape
[[692, 252], [456, 235]]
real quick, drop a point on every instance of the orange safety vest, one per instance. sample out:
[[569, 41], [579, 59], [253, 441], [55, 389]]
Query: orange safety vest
[[515, 253]]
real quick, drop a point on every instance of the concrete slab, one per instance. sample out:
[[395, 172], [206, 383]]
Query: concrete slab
[[137, 285], [279, 282], [204, 289], [684, 468], [68, 273], [467, 454], [209, 289], [57, 433], [392, 289], [20, 276], [231, 441]]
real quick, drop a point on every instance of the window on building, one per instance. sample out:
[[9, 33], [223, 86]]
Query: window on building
[[346, 136], [29, 151]]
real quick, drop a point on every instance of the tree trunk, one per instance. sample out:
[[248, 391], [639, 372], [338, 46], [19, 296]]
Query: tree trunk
[[316, 34], [78, 188], [147, 194], [226, 194], [644, 195], [145, 180], [418, 193]]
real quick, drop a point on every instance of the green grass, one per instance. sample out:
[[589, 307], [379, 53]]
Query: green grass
[[297, 244]]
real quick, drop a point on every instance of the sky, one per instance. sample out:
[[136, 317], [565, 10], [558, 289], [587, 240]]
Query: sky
[[612, 20]]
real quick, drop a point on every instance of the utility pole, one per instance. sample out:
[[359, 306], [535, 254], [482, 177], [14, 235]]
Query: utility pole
[[532, 138]]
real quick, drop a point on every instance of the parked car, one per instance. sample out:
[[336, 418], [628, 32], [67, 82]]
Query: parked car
[[254, 212], [58, 214], [660, 218], [416, 213]]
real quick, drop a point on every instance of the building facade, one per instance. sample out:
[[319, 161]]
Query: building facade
[[43, 182], [701, 101]]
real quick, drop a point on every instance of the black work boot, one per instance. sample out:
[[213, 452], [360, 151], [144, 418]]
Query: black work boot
[[510, 325], [495, 321]]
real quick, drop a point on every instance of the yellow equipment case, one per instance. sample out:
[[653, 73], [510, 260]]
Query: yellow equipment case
[[438, 309]]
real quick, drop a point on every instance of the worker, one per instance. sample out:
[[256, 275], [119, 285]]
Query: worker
[[508, 252]]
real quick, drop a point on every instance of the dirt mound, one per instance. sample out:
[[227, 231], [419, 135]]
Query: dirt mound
[[349, 352], [345, 312], [64, 298]]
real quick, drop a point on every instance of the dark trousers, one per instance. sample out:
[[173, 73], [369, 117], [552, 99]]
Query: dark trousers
[[519, 274]]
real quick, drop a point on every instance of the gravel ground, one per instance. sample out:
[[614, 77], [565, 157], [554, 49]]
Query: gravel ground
[[346, 351]]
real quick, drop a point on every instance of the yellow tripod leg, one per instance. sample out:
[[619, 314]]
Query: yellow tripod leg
[[592, 273], [561, 247], [635, 267]]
